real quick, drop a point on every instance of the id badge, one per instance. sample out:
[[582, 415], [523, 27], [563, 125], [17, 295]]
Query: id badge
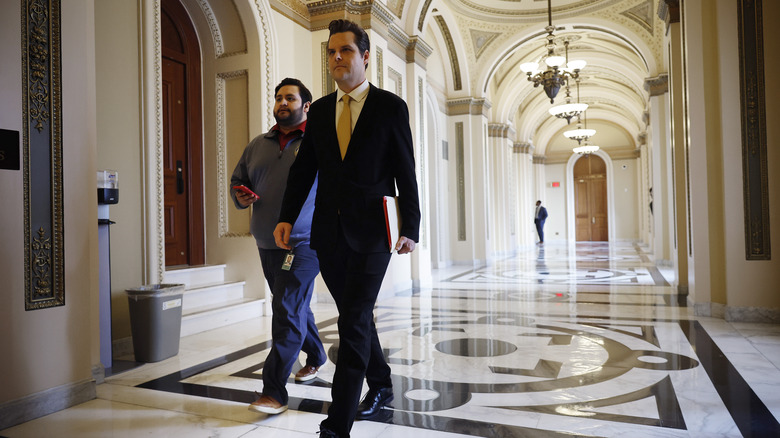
[[288, 261]]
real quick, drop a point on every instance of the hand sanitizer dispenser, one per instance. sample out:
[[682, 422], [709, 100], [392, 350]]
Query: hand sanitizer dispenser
[[108, 186]]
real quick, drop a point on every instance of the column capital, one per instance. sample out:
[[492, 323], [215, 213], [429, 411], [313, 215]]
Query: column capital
[[522, 148], [658, 85], [502, 130], [669, 12], [468, 105]]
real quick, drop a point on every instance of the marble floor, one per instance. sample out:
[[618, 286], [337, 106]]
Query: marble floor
[[558, 341]]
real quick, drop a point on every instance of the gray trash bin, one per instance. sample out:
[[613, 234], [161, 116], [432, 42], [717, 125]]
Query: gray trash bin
[[155, 320]]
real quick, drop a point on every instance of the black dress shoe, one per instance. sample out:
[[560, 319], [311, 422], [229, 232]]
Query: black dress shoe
[[327, 433], [373, 402]]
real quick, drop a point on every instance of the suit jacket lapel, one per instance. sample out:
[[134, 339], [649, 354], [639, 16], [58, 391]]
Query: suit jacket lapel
[[330, 121], [363, 126]]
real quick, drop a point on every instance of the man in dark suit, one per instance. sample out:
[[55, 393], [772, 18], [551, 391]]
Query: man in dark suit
[[359, 141], [539, 217]]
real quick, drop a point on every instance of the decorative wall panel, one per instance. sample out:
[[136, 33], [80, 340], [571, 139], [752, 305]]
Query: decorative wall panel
[[328, 83], [232, 138], [753, 112], [422, 166], [42, 155], [460, 166], [380, 68]]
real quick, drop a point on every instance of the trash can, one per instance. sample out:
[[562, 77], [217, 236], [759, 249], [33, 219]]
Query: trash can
[[155, 321]]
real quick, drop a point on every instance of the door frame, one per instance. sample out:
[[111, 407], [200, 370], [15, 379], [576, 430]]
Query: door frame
[[571, 235], [263, 70], [193, 182]]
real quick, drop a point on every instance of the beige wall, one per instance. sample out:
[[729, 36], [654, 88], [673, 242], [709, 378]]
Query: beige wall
[[119, 143], [720, 273], [53, 347], [556, 204], [625, 174], [749, 283]]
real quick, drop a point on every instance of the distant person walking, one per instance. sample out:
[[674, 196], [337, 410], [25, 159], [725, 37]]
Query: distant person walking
[[539, 217]]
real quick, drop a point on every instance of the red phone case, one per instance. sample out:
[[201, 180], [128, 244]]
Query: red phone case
[[246, 190]]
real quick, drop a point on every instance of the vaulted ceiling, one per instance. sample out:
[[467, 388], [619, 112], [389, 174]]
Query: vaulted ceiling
[[487, 40]]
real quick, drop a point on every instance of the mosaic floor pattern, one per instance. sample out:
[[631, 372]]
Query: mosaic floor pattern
[[563, 341]]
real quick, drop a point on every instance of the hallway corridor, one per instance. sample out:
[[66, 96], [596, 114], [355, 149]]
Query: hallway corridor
[[559, 341]]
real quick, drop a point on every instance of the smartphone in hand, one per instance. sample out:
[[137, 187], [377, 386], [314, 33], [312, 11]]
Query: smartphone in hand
[[246, 190]]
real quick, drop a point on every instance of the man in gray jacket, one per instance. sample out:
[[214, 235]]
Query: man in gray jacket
[[259, 180]]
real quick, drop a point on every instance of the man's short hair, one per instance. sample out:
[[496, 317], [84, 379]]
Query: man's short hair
[[302, 90], [361, 37]]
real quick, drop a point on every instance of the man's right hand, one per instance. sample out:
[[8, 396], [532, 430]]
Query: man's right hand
[[245, 199], [282, 235]]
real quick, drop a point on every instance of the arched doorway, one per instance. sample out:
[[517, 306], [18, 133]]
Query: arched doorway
[[590, 199], [182, 138]]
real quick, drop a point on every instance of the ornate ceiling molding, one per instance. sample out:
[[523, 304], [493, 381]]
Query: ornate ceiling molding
[[294, 10], [453, 54], [374, 16], [658, 85], [642, 14], [423, 13], [669, 12], [468, 105], [481, 39], [533, 14], [396, 7]]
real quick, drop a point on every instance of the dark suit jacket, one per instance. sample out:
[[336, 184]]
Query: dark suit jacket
[[380, 157], [542, 216]]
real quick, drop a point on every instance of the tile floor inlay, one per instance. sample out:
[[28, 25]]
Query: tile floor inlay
[[452, 357], [586, 340]]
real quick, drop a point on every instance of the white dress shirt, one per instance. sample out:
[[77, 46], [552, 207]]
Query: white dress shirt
[[358, 98]]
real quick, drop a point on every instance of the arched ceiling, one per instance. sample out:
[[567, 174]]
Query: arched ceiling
[[621, 40]]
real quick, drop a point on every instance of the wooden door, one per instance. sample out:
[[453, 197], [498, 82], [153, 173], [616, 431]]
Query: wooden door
[[590, 199], [182, 139]]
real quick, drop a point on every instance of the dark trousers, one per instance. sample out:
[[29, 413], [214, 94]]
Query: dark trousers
[[292, 326], [354, 280], [539, 229]]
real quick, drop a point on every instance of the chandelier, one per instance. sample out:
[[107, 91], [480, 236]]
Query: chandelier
[[580, 134], [559, 68], [585, 149], [569, 110]]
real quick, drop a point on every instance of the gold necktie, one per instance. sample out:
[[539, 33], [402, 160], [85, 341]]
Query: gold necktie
[[344, 126]]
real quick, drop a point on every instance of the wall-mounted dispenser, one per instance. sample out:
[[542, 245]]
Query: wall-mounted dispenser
[[108, 186]]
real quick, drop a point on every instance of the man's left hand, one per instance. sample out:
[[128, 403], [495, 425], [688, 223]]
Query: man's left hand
[[405, 245]]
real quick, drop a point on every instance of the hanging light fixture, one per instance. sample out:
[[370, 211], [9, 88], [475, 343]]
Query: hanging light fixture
[[586, 149], [559, 68], [580, 134], [569, 110]]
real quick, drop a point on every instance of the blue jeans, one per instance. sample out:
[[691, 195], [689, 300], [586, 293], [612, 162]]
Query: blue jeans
[[292, 328]]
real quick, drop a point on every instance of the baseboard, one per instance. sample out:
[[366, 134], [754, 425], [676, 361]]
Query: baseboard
[[752, 314], [738, 314], [99, 373], [46, 402], [708, 309]]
